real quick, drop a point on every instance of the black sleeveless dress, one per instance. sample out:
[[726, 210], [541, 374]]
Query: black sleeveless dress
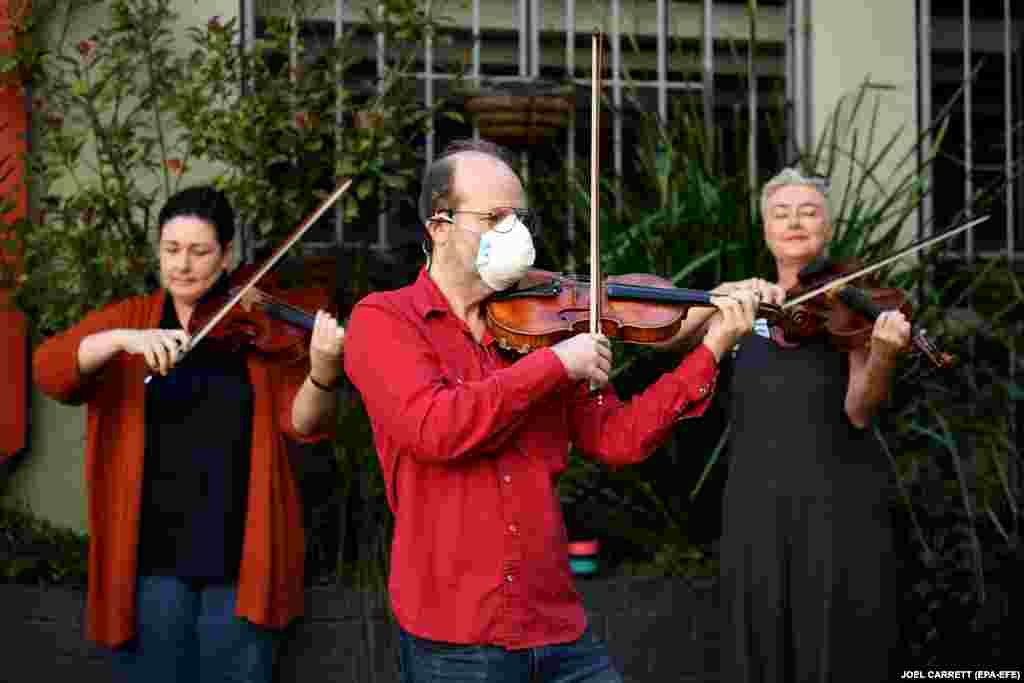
[[806, 551]]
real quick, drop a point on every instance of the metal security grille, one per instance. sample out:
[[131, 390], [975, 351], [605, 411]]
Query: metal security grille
[[976, 45], [658, 50]]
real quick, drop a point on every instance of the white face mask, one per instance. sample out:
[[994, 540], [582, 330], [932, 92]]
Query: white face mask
[[505, 254]]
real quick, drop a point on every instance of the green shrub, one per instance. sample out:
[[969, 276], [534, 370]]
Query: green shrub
[[34, 551]]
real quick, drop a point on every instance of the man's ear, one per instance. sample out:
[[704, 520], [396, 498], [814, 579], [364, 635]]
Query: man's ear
[[437, 230]]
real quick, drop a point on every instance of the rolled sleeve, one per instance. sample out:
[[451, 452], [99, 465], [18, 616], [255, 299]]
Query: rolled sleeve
[[55, 367], [698, 377]]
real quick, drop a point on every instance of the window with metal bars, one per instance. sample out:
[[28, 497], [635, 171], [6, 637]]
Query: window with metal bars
[[977, 47], [662, 56]]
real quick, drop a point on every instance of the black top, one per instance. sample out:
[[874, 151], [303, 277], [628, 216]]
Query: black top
[[806, 550], [790, 433], [196, 468]]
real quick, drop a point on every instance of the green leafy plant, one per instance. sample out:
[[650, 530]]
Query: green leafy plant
[[288, 121], [37, 552], [679, 217], [105, 157], [123, 121]]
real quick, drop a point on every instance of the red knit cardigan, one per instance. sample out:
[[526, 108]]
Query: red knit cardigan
[[270, 585]]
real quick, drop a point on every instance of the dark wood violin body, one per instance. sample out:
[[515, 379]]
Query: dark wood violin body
[[271, 321], [846, 314]]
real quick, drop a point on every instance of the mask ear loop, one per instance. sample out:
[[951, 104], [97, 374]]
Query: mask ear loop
[[426, 250], [427, 244]]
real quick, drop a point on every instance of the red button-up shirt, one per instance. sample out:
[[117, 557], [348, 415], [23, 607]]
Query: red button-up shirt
[[471, 446]]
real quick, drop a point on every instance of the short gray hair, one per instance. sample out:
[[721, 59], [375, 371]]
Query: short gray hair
[[793, 176]]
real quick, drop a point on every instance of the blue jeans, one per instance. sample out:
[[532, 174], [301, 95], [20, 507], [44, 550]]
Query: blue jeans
[[583, 661], [188, 631]]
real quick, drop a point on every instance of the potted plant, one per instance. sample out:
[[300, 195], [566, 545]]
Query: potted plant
[[518, 114]]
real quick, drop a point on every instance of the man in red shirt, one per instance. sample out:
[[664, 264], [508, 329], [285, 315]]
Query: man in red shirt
[[471, 444]]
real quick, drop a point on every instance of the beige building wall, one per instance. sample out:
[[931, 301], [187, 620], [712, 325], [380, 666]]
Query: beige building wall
[[868, 41], [50, 480]]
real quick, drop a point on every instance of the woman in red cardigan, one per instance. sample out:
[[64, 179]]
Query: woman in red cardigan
[[196, 538]]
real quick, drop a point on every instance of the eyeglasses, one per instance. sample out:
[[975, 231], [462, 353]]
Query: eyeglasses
[[496, 216]]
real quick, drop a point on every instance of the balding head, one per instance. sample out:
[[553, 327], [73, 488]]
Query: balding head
[[439, 181]]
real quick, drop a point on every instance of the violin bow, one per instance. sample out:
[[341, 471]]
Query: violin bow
[[596, 298], [281, 250], [912, 248], [595, 221]]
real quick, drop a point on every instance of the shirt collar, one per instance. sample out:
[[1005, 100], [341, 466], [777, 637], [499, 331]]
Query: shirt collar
[[427, 297]]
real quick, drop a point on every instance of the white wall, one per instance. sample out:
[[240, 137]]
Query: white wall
[[858, 41]]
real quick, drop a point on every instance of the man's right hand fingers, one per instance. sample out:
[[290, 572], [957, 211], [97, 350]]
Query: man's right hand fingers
[[586, 357]]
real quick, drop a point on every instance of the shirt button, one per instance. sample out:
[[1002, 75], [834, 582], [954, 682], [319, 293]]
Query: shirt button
[[508, 578], [513, 529], [507, 478], [703, 389]]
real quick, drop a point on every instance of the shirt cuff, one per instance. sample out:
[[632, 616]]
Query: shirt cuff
[[698, 376]]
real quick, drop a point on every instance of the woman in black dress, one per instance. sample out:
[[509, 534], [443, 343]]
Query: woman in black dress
[[806, 544]]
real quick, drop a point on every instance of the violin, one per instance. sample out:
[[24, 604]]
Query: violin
[[548, 307], [261, 321], [845, 314]]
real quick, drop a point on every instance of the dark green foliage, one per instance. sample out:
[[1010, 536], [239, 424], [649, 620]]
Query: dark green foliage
[[37, 552]]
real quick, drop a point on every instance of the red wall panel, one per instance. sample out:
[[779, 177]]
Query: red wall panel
[[13, 329]]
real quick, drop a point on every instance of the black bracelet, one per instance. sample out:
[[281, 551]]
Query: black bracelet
[[324, 387]]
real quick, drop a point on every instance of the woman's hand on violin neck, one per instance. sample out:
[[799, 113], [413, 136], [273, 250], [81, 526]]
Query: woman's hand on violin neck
[[769, 292], [162, 349], [325, 347], [586, 357], [733, 319], [890, 335]]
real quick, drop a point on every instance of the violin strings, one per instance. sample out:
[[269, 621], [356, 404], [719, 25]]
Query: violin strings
[[265, 298]]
